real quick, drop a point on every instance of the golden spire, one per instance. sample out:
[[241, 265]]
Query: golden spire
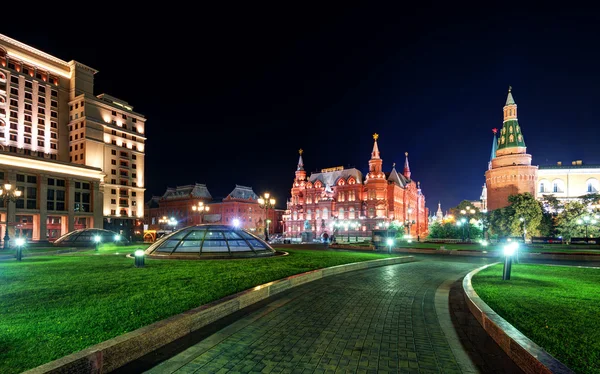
[[376, 136], [300, 151], [406, 154]]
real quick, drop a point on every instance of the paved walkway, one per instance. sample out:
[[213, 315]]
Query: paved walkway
[[381, 320]]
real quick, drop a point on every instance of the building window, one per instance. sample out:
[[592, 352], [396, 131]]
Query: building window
[[341, 213], [592, 185], [82, 201], [351, 213], [325, 213]]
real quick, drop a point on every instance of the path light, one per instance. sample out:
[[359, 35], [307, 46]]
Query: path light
[[139, 258], [509, 250], [20, 242], [484, 243], [97, 241], [390, 243]]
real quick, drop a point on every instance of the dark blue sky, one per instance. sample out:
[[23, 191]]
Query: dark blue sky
[[232, 94]]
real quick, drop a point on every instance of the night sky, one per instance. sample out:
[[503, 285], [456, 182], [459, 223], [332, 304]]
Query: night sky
[[232, 94]]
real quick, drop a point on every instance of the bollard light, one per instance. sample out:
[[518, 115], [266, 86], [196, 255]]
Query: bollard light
[[20, 242], [484, 243], [139, 258], [509, 251], [97, 240], [390, 243]]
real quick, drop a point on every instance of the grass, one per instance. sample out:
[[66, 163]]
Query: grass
[[555, 306], [495, 247], [52, 306]]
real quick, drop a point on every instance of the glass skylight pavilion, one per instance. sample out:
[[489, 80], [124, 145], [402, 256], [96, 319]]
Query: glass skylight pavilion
[[85, 238], [209, 241]]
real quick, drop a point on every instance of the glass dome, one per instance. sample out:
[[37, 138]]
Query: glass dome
[[85, 238], [209, 241]]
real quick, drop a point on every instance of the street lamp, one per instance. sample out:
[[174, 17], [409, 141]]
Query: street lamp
[[8, 195], [524, 229], [201, 208], [266, 202], [139, 258], [462, 222], [97, 240], [163, 221], [509, 250], [408, 222], [356, 229], [390, 243], [173, 223], [20, 242], [236, 223], [586, 221]]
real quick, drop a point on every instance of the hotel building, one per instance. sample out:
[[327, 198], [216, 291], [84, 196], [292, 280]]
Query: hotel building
[[78, 158]]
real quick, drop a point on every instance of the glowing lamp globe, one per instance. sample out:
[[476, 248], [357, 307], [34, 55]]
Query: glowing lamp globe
[[20, 242]]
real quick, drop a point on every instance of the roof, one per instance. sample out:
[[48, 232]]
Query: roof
[[510, 135], [584, 166], [330, 178], [509, 98], [153, 202], [398, 179], [242, 193], [494, 147], [191, 190]]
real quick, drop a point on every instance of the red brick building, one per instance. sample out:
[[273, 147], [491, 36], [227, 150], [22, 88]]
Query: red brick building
[[342, 196], [510, 170], [241, 204]]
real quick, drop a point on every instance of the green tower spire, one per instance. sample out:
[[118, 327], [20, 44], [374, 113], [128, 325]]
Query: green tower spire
[[510, 136]]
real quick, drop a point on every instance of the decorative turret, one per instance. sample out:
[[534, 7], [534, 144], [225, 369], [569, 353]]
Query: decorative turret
[[375, 163], [406, 166], [510, 135], [300, 161], [300, 173], [439, 215], [494, 148], [510, 171]]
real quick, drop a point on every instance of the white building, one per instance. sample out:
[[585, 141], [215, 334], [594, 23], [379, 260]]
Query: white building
[[53, 128]]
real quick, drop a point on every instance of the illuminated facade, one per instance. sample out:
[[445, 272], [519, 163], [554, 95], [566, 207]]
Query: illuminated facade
[[48, 111], [357, 205], [510, 170], [240, 204], [568, 182]]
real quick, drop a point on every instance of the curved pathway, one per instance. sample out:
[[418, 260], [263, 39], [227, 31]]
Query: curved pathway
[[382, 320]]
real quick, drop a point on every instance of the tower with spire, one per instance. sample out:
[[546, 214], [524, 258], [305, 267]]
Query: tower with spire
[[406, 166], [510, 171], [439, 215]]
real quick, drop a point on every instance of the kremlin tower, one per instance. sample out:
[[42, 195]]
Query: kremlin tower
[[510, 171]]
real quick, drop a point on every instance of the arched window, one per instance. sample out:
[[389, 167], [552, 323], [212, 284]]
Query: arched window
[[341, 182], [543, 186], [308, 214], [295, 215], [2, 76], [325, 213], [371, 212], [318, 184], [592, 185], [341, 213], [317, 214], [558, 186], [351, 213], [351, 180]]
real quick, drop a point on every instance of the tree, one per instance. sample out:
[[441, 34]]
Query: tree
[[450, 230], [507, 221], [569, 222], [527, 207]]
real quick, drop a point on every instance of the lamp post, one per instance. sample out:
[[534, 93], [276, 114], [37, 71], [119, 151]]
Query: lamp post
[[509, 251], [407, 222], [462, 222], [266, 202], [97, 241], [524, 229], [162, 222], [200, 208], [356, 229], [390, 243], [20, 242], [586, 221], [8, 194], [173, 223]]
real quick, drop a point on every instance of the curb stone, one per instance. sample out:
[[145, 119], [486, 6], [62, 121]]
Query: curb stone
[[530, 357], [114, 353]]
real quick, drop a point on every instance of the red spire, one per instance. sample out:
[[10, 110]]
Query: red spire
[[406, 167]]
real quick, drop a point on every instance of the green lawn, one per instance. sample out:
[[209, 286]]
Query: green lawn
[[555, 306], [52, 306], [495, 247]]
